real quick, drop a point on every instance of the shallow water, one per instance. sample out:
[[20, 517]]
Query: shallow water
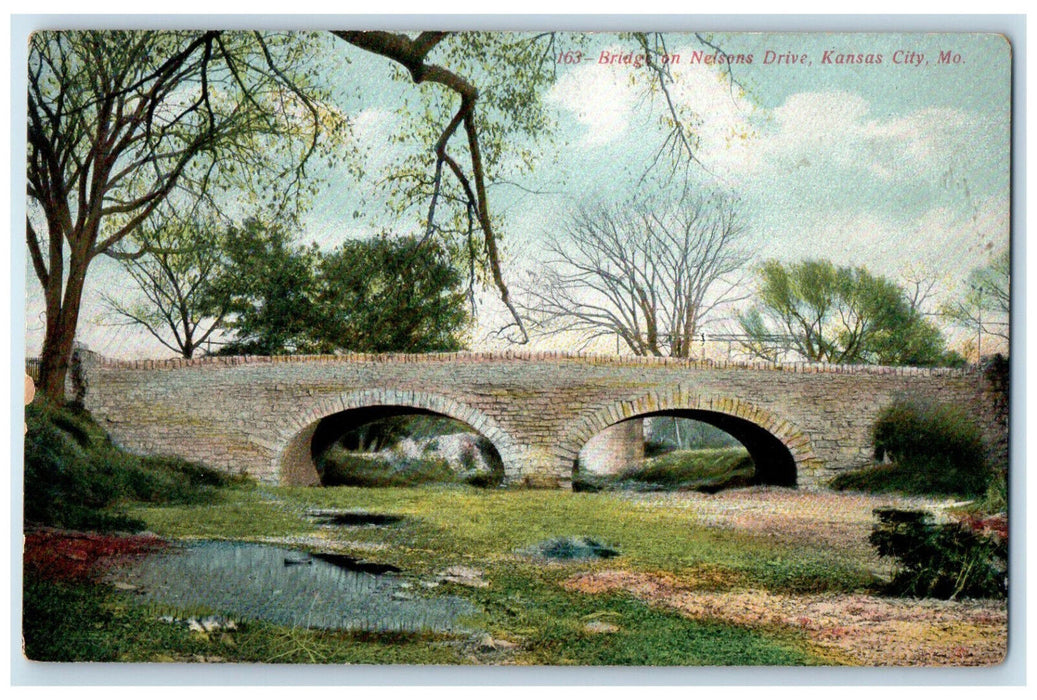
[[289, 587]]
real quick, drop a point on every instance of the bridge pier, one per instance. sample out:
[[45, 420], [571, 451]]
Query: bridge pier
[[537, 467], [614, 449]]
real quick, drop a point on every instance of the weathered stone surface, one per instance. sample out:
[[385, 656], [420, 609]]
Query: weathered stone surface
[[259, 414]]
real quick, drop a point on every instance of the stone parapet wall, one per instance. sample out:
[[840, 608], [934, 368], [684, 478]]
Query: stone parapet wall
[[533, 356]]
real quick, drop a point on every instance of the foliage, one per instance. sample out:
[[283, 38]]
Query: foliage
[[940, 561], [270, 285], [839, 315], [339, 467], [705, 470], [666, 433], [995, 498], [935, 450], [75, 477], [939, 442], [178, 271], [648, 272], [376, 295], [389, 295], [123, 122]]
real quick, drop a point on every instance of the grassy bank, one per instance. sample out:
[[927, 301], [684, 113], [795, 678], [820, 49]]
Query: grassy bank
[[706, 470]]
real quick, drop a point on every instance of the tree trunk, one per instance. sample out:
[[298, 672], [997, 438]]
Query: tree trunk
[[62, 316], [55, 358]]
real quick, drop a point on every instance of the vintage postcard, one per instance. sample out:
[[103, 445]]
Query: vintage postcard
[[481, 348]]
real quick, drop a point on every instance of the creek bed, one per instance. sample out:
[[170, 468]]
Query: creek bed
[[290, 587]]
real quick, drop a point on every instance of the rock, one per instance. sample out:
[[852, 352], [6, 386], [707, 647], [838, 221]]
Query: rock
[[488, 643], [599, 627], [203, 626], [570, 548], [464, 576]]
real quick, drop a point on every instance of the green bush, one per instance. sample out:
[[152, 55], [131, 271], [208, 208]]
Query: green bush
[[75, 476], [938, 448], [940, 561], [708, 471], [340, 467], [696, 469]]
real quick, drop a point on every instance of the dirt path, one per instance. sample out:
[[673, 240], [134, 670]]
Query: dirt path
[[841, 521], [856, 628]]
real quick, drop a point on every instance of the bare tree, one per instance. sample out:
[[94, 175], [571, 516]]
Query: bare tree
[[184, 304], [648, 273], [984, 303]]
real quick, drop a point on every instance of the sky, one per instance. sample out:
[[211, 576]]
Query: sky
[[865, 149]]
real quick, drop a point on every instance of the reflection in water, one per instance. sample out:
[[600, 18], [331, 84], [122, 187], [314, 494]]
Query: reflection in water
[[289, 588]]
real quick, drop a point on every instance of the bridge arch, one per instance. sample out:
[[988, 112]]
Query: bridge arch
[[294, 463], [782, 452]]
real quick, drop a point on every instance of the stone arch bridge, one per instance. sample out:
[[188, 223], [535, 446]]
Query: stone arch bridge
[[801, 423]]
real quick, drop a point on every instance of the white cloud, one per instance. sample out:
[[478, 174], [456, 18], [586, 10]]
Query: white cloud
[[836, 131], [607, 98], [600, 98], [942, 242], [373, 123]]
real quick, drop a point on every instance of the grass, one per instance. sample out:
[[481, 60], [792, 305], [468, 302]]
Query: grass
[[551, 627], [450, 525], [525, 602], [910, 480], [706, 470], [882, 478]]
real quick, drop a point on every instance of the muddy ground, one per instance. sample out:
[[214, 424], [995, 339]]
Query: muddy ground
[[859, 629]]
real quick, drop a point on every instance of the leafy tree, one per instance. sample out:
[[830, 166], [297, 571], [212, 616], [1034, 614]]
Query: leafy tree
[[179, 276], [825, 313], [378, 295], [270, 285], [985, 303], [648, 272], [385, 294], [118, 121]]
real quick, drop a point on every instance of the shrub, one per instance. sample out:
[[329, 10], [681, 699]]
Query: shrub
[[339, 467], [942, 561], [938, 446], [696, 469]]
